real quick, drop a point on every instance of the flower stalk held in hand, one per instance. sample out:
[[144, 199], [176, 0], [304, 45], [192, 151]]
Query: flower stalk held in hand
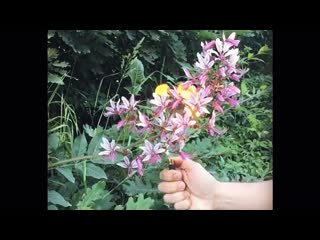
[[192, 104]]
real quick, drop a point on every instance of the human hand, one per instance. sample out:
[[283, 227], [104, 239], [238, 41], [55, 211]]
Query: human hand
[[190, 186]]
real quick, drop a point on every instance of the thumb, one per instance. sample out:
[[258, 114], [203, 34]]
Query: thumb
[[183, 164]]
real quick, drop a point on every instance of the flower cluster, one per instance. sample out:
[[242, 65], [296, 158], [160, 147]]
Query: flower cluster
[[176, 109]]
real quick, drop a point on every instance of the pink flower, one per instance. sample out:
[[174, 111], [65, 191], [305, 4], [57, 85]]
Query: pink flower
[[129, 106], [110, 149], [184, 155], [231, 40], [186, 84], [216, 105], [114, 109], [139, 165], [152, 153], [177, 98], [206, 46], [144, 123], [200, 101], [182, 122], [205, 62], [161, 102], [222, 72], [238, 74], [212, 124], [223, 50], [188, 74], [203, 78], [226, 94], [129, 165], [120, 124]]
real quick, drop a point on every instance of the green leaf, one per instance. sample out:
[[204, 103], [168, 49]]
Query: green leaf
[[258, 59], [244, 89], [53, 78], [52, 54], [250, 55], [95, 144], [67, 172], [112, 133], [154, 36], [61, 64], [207, 35], [52, 207], [92, 170], [79, 146], [141, 203], [131, 34], [56, 198], [95, 171], [105, 203], [53, 141], [89, 130], [238, 32], [119, 207], [136, 71], [51, 33], [263, 87], [264, 50], [92, 194], [133, 187]]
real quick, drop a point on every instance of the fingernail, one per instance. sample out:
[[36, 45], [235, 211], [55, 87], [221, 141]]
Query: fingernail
[[181, 186], [176, 176]]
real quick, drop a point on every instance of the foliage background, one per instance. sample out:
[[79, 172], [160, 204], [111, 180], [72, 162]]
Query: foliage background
[[88, 67]]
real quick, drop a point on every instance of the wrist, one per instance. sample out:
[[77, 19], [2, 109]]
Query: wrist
[[220, 196]]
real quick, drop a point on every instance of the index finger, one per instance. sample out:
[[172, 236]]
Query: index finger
[[170, 175]]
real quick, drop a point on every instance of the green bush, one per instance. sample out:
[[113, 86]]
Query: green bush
[[88, 68]]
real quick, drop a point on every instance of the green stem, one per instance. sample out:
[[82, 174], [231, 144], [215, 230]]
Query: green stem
[[85, 174], [71, 160], [108, 193]]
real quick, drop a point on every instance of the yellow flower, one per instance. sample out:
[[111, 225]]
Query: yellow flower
[[162, 89], [186, 93], [192, 112]]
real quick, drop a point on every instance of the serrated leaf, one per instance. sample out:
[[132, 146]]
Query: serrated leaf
[[89, 130], [119, 207], [112, 133], [133, 187], [105, 203], [67, 173], [140, 204], [79, 146], [154, 36], [56, 198], [53, 141], [53, 78], [149, 55], [92, 194]]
